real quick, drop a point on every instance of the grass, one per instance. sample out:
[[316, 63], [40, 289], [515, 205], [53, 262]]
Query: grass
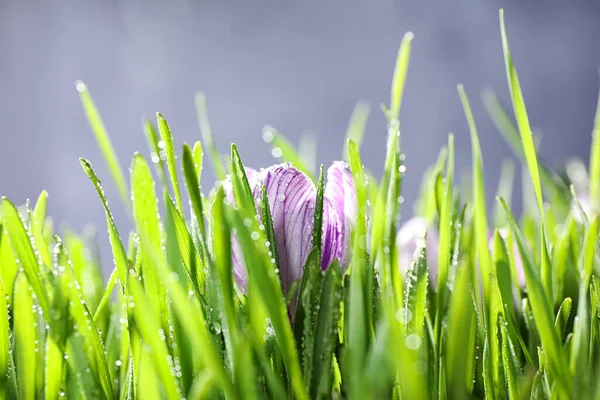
[[172, 323]]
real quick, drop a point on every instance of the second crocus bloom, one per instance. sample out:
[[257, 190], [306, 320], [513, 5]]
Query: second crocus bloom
[[293, 198]]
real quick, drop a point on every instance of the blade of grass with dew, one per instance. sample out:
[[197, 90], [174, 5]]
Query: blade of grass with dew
[[83, 320], [156, 152], [222, 271], [22, 246], [506, 127], [308, 299], [103, 140], [167, 138], [145, 215], [326, 329], [267, 220], [509, 363], [379, 214], [562, 317], [595, 162], [461, 322], [149, 329], [263, 278], [357, 125], [415, 304], [283, 149], [187, 250], [9, 269], [505, 189], [542, 313], [56, 339], [529, 149], [445, 237], [192, 165], [579, 362], [400, 75], [207, 136], [120, 257], [26, 337], [37, 224], [480, 213], [357, 337], [8, 378]]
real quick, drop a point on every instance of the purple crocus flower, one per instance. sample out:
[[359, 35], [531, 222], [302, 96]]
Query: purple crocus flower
[[407, 240], [292, 199]]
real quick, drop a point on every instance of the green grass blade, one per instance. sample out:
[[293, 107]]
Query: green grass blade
[[5, 345], [187, 250], [509, 363], [595, 162], [157, 153], [192, 166], [416, 292], [400, 75], [167, 139], [120, 257], [207, 136], [149, 329], [82, 317], [357, 125], [145, 213], [326, 330], [26, 337], [461, 322], [103, 140], [480, 213], [23, 250], [445, 231], [37, 224], [542, 312], [562, 317]]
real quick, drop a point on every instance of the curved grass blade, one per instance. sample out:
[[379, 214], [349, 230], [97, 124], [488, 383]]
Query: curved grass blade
[[157, 153], [167, 140], [103, 140], [150, 329], [326, 330], [445, 235], [86, 329], [23, 250], [8, 377], [562, 317], [37, 225], [207, 136], [145, 213], [120, 257], [357, 125], [510, 363], [595, 161], [542, 313], [192, 166], [400, 75], [26, 337]]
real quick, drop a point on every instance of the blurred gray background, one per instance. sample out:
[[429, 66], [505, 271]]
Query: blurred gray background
[[299, 65]]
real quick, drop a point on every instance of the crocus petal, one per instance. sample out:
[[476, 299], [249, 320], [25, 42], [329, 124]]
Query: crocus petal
[[292, 199], [341, 194], [407, 240], [516, 255]]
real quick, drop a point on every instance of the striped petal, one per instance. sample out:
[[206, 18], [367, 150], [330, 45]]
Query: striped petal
[[340, 193], [407, 240], [292, 199]]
